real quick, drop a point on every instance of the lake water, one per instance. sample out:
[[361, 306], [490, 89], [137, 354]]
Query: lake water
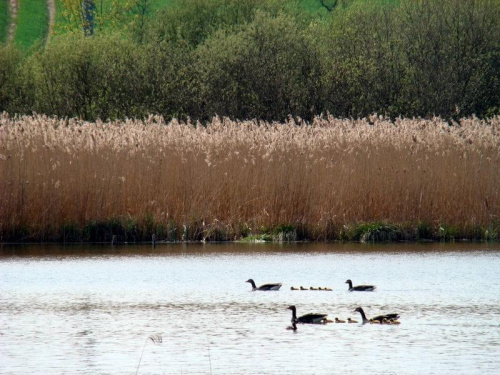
[[90, 309]]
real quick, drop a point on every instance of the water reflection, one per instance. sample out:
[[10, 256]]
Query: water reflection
[[89, 309]]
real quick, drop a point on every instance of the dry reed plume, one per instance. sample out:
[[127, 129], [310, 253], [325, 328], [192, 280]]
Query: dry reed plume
[[233, 178]]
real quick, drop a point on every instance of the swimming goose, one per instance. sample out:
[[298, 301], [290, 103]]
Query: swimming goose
[[360, 288], [377, 319], [394, 321], [337, 320], [328, 289], [349, 320], [302, 288], [308, 318], [265, 287], [313, 288], [294, 288]]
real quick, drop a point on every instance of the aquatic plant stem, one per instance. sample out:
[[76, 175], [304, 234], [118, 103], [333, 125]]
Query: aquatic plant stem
[[209, 356], [140, 359]]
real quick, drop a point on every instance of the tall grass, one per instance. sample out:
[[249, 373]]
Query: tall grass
[[232, 178]]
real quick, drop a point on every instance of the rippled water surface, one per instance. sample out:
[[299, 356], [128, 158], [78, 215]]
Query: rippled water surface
[[91, 309]]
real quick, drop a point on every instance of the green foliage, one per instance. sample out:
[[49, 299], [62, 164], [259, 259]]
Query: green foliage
[[450, 56], [284, 228], [285, 233], [281, 233], [374, 232], [418, 59], [88, 78], [269, 60], [11, 59], [424, 231], [266, 71], [257, 238], [447, 232], [193, 21], [492, 233], [130, 230], [71, 232]]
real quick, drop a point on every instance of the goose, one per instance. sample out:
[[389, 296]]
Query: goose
[[394, 321], [349, 320], [328, 289], [294, 288], [293, 327], [320, 288], [360, 288], [313, 288], [337, 320], [329, 321], [308, 318], [302, 288], [377, 319], [265, 287]]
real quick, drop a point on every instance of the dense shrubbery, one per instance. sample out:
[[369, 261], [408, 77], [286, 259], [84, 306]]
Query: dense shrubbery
[[262, 59]]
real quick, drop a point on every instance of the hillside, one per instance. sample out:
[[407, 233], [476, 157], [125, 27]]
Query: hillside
[[32, 22]]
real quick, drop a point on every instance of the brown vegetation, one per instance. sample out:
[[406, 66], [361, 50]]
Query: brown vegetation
[[230, 179]]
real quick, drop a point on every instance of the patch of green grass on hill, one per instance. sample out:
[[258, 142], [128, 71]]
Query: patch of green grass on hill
[[112, 17], [108, 12], [330, 6], [4, 20], [32, 22]]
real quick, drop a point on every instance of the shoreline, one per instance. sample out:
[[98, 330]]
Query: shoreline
[[115, 233], [339, 242]]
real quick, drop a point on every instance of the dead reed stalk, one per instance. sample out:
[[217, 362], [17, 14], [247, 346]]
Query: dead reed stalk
[[230, 177]]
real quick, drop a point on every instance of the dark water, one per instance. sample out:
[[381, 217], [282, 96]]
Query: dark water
[[91, 309]]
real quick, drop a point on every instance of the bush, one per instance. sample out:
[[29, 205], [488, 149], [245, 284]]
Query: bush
[[193, 21], [421, 58], [266, 71], [11, 60], [90, 78]]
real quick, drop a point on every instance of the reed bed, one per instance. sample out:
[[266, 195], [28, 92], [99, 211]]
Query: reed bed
[[66, 179]]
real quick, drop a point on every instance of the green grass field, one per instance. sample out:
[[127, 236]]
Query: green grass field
[[64, 22], [316, 7], [33, 17], [32, 22], [4, 20], [104, 9]]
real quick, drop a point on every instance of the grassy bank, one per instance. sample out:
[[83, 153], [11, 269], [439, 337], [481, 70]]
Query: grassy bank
[[368, 180]]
